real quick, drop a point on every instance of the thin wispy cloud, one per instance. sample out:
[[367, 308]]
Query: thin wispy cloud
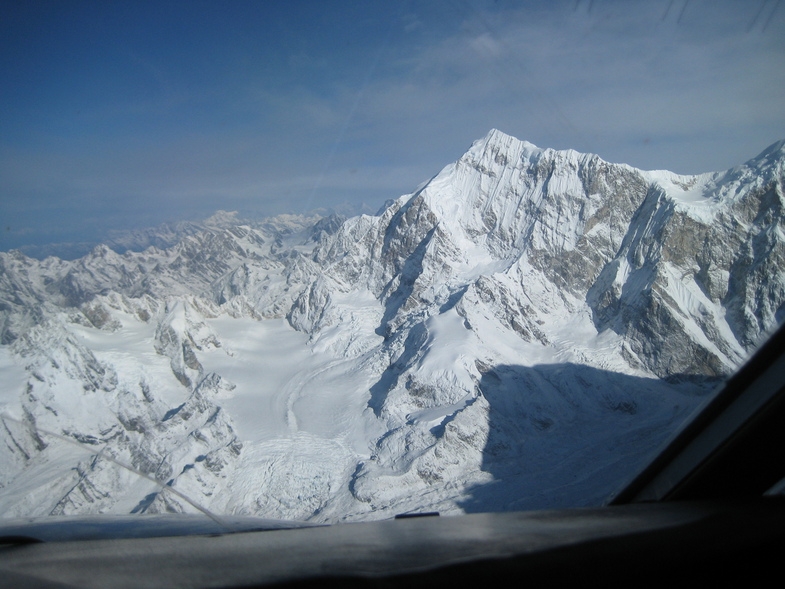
[[602, 81]]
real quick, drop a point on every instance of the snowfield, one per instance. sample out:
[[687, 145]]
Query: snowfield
[[521, 332]]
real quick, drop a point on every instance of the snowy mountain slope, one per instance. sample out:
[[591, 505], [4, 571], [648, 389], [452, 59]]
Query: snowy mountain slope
[[520, 332], [588, 228]]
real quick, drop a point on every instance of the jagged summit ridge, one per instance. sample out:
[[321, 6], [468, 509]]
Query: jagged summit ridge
[[524, 308], [585, 226]]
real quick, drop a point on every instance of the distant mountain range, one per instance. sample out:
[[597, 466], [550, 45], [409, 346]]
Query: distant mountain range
[[520, 332]]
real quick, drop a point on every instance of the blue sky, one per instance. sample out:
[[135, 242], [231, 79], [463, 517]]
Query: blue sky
[[118, 115]]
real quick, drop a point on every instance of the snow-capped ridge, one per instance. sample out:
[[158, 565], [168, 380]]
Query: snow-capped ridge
[[499, 141], [524, 319], [773, 153]]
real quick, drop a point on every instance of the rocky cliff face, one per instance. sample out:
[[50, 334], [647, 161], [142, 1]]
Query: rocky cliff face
[[525, 320]]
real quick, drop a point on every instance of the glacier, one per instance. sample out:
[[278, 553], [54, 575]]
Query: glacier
[[522, 331]]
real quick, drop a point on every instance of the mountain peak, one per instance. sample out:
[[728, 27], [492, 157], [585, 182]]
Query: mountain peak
[[498, 140], [774, 154]]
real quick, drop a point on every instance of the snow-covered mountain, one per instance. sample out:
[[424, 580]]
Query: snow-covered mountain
[[522, 331]]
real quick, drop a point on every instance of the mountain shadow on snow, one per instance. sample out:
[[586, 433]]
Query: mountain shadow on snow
[[567, 435]]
